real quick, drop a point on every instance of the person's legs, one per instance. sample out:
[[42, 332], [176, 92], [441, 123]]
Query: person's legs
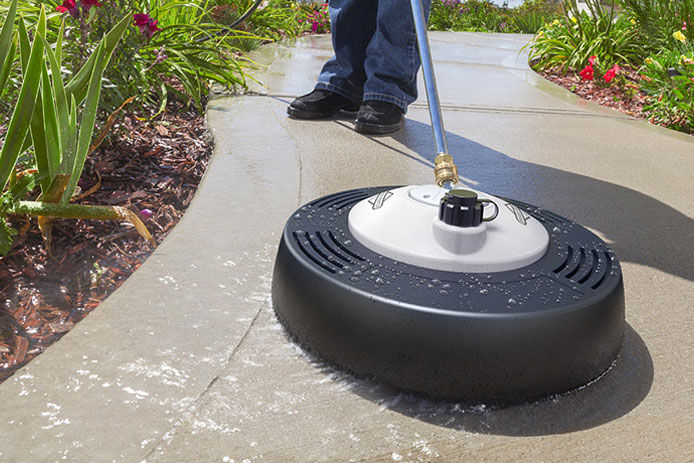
[[352, 24], [340, 83], [392, 57]]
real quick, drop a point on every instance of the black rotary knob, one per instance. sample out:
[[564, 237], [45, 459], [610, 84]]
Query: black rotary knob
[[462, 208]]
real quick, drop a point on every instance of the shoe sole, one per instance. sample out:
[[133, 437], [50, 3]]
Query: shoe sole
[[300, 114], [377, 129]]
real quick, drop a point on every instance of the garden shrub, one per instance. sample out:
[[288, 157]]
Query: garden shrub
[[484, 16], [569, 42], [657, 19], [176, 48], [471, 15], [277, 18], [668, 80], [532, 15]]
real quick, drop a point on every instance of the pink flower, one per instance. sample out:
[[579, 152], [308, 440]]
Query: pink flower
[[610, 74], [146, 24], [587, 72], [314, 27], [69, 6], [592, 60]]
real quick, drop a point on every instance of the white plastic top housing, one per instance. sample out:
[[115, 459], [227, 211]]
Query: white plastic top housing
[[403, 224]]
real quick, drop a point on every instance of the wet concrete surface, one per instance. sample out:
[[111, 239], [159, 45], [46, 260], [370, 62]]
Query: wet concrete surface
[[186, 361]]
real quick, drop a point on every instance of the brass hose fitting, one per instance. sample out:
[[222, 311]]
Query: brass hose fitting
[[445, 170]]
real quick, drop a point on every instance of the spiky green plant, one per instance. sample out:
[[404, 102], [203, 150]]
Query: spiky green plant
[[45, 117]]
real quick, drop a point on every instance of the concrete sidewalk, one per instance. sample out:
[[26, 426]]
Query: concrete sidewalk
[[186, 362]]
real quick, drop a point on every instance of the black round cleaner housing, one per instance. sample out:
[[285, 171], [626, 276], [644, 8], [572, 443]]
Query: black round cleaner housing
[[454, 294]]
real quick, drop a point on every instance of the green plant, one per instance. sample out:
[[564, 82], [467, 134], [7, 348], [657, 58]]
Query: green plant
[[658, 19], [47, 109], [470, 15], [179, 50], [279, 19], [529, 17], [8, 48], [668, 80], [187, 52], [529, 22], [568, 43]]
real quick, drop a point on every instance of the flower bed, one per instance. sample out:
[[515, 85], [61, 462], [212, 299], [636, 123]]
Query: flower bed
[[628, 100], [643, 50]]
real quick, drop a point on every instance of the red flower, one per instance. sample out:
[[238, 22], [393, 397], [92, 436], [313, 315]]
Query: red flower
[[88, 4], [587, 72], [141, 19], [592, 60], [146, 24], [72, 7], [609, 75], [69, 6]]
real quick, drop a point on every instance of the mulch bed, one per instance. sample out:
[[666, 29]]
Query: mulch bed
[[153, 165], [626, 99]]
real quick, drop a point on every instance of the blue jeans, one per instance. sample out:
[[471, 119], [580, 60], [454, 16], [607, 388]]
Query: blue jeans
[[376, 55]]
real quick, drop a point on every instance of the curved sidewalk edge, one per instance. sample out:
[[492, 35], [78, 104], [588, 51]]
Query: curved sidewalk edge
[[186, 362]]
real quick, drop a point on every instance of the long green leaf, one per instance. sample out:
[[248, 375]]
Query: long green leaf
[[59, 42], [70, 143], [24, 52], [24, 45], [6, 32], [50, 119], [6, 67], [21, 116], [72, 124], [61, 105], [38, 140], [86, 124]]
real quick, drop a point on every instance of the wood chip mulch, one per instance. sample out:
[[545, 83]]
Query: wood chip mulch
[[625, 98], [155, 165]]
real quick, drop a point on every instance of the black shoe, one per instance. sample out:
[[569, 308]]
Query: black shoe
[[320, 104], [379, 117]]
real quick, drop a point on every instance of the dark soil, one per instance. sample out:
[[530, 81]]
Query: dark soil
[[153, 165]]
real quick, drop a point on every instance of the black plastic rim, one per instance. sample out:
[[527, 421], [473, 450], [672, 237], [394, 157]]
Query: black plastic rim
[[546, 328]]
